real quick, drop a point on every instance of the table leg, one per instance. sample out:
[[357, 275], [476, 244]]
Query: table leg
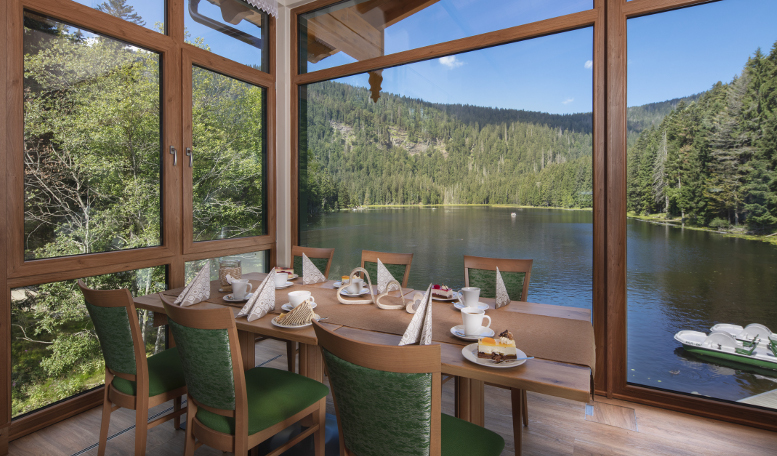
[[517, 397], [470, 405], [247, 342], [311, 363]]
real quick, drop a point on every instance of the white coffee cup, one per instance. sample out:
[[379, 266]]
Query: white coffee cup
[[240, 288], [281, 278], [355, 287], [471, 296], [473, 321], [298, 297]]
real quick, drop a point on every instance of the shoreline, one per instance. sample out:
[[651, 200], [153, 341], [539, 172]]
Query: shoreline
[[658, 219], [516, 206]]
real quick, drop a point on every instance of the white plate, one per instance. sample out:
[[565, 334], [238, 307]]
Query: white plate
[[481, 305], [288, 327], [458, 331], [293, 276], [456, 296], [286, 285], [287, 307], [349, 295], [471, 353], [230, 298]]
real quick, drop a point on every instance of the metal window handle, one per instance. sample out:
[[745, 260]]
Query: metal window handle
[[174, 153], [191, 157]]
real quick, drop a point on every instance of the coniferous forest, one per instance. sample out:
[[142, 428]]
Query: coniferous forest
[[708, 158]]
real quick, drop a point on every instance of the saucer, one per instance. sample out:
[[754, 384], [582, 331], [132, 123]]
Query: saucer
[[231, 298], [293, 276], [470, 352], [286, 285], [458, 331], [456, 297], [481, 305], [363, 292], [287, 307]]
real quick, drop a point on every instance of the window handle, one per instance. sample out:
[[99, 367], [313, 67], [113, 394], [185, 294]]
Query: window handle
[[191, 157], [174, 153]]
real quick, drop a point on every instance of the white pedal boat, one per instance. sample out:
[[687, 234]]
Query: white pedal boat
[[734, 343]]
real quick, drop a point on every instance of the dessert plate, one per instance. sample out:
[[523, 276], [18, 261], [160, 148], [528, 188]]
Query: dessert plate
[[456, 296], [286, 285], [287, 307], [293, 276], [349, 295], [481, 305], [470, 352], [458, 331], [231, 298], [275, 323]]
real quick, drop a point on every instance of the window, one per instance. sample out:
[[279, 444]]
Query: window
[[144, 13]]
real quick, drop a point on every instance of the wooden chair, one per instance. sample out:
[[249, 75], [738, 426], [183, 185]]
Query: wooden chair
[[398, 264], [232, 410], [322, 258], [131, 380], [481, 272], [402, 414]]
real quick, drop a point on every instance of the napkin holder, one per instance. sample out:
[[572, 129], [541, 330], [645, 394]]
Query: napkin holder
[[356, 301]]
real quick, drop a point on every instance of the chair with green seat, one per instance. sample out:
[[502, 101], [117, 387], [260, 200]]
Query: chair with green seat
[[131, 380], [398, 264], [231, 409], [387, 400]]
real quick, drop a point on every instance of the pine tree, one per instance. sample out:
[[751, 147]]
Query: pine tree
[[120, 9]]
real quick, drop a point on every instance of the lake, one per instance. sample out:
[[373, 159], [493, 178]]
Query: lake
[[677, 278]]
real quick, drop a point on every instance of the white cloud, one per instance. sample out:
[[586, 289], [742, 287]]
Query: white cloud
[[589, 64], [451, 62], [568, 100]]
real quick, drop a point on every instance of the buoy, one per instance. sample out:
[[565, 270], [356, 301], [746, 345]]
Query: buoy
[[513, 215]]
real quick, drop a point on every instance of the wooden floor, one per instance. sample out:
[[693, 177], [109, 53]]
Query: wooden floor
[[557, 426]]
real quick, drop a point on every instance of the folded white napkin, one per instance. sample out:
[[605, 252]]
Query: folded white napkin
[[502, 299], [384, 278], [419, 331], [262, 301], [198, 289], [310, 273]]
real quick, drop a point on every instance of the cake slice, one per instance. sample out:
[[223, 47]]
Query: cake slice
[[289, 271], [300, 315], [499, 349], [442, 292]]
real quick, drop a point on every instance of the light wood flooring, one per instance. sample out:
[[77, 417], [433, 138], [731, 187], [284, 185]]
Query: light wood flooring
[[556, 426]]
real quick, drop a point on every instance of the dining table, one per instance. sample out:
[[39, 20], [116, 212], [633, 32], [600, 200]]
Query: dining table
[[560, 339]]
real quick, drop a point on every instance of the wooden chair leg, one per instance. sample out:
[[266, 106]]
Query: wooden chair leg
[[291, 355], [106, 419], [176, 408], [525, 408], [141, 429], [189, 444], [319, 437], [516, 396]]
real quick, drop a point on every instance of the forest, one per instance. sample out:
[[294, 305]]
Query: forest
[[708, 158]]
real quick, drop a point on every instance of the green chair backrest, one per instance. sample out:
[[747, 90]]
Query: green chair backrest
[[486, 281], [381, 412], [113, 330], [207, 365], [320, 263], [397, 270]]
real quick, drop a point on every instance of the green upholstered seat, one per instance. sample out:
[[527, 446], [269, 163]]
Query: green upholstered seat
[[486, 281], [273, 396], [164, 374], [320, 263], [113, 331], [396, 270], [462, 438]]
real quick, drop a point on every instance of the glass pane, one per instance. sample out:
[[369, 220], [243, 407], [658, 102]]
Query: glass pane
[[228, 134], [230, 28], [361, 29], [149, 14], [54, 348], [91, 142], [450, 150], [249, 262], [702, 200]]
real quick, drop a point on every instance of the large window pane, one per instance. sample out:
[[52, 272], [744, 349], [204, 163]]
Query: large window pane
[[54, 348], [702, 198], [230, 28], [361, 29], [249, 262], [229, 180], [149, 14], [91, 142], [452, 148]]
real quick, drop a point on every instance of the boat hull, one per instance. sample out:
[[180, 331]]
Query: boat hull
[[742, 359]]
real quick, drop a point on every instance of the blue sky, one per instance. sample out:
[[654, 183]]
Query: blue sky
[[670, 55]]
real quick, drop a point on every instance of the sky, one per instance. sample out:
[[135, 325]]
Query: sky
[[670, 55]]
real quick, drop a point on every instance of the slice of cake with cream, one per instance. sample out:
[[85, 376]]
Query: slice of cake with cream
[[442, 292], [500, 349]]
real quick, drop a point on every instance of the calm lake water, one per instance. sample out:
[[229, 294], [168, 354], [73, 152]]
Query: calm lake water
[[677, 279]]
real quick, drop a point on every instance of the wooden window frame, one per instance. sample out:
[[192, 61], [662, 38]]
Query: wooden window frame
[[173, 253]]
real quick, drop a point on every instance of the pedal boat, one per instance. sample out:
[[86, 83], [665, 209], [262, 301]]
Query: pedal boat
[[758, 346]]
